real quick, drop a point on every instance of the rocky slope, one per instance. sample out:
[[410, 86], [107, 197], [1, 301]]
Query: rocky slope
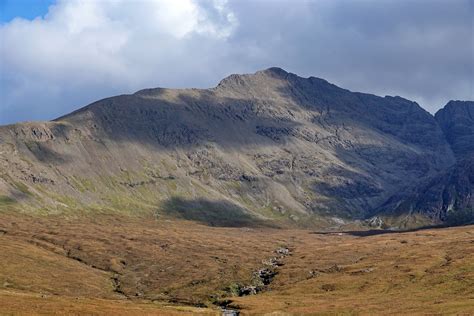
[[457, 122], [449, 196], [269, 147]]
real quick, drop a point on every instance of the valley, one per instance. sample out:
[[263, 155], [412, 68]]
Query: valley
[[267, 194], [233, 158], [107, 264]]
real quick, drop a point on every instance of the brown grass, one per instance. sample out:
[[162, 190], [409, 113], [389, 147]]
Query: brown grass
[[124, 265]]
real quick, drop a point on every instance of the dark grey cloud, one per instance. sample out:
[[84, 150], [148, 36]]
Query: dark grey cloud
[[422, 50]]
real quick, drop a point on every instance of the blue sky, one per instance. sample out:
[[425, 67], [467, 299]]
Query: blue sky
[[84, 50], [27, 9]]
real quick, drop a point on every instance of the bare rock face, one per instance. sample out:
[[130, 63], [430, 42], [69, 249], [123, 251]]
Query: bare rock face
[[457, 121], [270, 146], [448, 196]]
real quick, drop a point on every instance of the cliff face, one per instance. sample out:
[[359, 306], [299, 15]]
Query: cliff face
[[449, 196], [270, 147], [456, 120]]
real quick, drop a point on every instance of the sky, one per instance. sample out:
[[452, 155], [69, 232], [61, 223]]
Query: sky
[[57, 56]]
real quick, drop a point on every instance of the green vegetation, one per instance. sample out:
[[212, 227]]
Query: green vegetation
[[21, 187], [233, 289], [83, 184], [6, 200]]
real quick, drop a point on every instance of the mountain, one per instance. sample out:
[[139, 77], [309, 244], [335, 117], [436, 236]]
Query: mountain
[[449, 196], [269, 148], [457, 122]]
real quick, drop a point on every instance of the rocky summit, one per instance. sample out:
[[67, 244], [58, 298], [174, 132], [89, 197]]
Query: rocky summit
[[269, 148]]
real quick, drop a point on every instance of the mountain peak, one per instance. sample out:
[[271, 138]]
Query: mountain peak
[[464, 104], [457, 122], [274, 72], [459, 102], [457, 106], [240, 79]]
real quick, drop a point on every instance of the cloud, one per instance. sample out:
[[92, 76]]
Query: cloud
[[85, 50]]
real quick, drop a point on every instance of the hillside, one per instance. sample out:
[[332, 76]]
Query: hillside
[[263, 149], [449, 196]]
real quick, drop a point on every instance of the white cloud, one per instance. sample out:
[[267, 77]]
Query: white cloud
[[84, 49]]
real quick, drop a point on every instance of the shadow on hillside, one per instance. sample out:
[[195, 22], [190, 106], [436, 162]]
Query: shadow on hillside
[[371, 174], [375, 232], [185, 121], [12, 200], [191, 118], [44, 153], [212, 213]]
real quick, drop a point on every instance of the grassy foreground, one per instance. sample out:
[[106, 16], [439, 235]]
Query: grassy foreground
[[143, 266]]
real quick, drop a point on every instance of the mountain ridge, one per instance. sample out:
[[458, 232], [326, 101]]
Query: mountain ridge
[[276, 146]]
